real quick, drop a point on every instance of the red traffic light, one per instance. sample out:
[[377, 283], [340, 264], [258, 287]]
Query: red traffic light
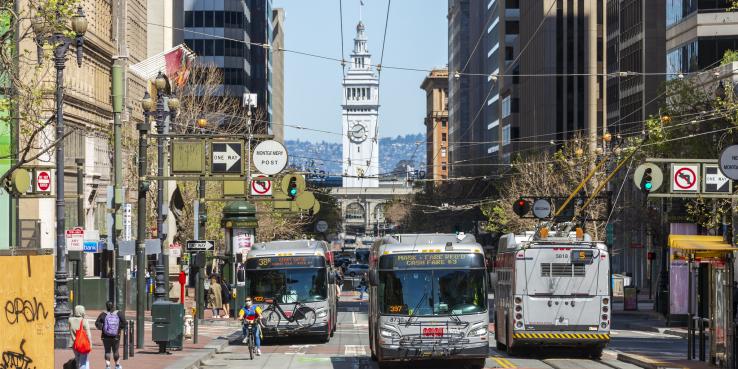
[[651, 256], [521, 207]]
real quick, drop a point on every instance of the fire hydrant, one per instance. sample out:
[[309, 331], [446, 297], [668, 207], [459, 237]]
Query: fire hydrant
[[188, 326]]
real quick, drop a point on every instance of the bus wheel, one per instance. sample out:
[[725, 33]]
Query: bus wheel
[[596, 353], [500, 346], [476, 364]]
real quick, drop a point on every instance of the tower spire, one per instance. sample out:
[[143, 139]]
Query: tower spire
[[361, 7]]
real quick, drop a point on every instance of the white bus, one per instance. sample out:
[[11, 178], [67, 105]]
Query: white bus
[[552, 291], [428, 300], [298, 271]]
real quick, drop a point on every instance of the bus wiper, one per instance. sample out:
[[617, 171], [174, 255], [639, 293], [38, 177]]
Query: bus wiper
[[410, 319], [455, 318]]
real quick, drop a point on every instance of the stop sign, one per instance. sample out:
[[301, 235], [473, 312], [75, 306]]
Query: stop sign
[[43, 181]]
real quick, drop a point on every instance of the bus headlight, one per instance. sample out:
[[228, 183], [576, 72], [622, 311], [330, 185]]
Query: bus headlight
[[386, 333], [478, 332], [321, 314]]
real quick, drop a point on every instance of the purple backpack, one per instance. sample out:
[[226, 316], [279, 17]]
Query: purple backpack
[[111, 324]]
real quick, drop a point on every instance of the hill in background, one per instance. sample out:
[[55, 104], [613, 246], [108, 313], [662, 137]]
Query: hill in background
[[327, 156]]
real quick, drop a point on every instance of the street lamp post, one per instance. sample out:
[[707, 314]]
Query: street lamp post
[[49, 34], [143, 187], [163, 90]]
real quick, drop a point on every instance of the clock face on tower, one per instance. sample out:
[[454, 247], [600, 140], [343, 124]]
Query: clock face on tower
[[357, 133]]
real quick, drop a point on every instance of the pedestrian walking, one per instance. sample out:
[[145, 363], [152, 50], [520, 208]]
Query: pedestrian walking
[[225, 294], [362, 286], [77, 322], [339, 282], [111, 322], [216, 298]]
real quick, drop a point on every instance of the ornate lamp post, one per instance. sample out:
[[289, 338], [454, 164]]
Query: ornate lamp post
[[56, 37], [163, 90]]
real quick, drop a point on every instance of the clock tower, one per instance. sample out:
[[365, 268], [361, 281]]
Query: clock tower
[[359, 118]]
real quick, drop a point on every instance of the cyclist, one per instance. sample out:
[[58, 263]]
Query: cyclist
[[251, 313]]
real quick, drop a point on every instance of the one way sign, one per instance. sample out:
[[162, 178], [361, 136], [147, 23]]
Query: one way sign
[[715, 181], [226, 157]]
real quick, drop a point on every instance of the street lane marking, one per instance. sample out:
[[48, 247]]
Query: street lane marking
[[354, 350]]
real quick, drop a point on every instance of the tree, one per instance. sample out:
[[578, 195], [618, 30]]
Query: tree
[[25, 81]]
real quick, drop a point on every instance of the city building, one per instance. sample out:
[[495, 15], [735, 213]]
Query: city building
[[359, 117], [436, 124], [482, 45], [229, 34], [697, 34], [278, 74], [88, 113], [561, 68], [635, 43]]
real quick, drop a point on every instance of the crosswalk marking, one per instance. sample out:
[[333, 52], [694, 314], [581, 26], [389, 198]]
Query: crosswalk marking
[[354, 350]]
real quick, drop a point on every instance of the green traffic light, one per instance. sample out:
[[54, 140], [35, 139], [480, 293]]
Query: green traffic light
[[293, 191], [648, 186]]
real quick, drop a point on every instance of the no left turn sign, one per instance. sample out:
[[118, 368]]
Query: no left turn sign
[[260, 185], [685, 177]]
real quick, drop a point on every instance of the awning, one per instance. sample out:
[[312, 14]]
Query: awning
[[696, 244]]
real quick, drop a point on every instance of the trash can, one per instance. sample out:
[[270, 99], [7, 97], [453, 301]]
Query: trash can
[[168, 325]]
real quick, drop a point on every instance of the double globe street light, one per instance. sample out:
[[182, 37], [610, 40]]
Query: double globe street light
[[60, 38]]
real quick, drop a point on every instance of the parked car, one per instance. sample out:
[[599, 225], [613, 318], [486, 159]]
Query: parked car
[[357, 269]]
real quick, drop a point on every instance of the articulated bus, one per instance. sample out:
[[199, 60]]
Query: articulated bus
[[296, 271], [552, 291], [428, 300]]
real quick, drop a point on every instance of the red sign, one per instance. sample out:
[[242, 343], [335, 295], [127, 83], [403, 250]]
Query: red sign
[[260, 185], [685, 178], [43, 181], [433, 332]]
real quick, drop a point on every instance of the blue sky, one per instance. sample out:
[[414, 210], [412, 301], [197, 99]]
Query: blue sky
[[417, 37]]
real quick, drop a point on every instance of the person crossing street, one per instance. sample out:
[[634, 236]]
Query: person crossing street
[[111, 322]]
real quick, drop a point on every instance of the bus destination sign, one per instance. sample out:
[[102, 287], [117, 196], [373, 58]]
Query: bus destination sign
[[431, 260], [280, 262]]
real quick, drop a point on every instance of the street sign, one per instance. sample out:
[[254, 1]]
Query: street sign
[[729, 162], [91, 246], [127, 221], [270, 157], [715, 181], [657, 175], [175, 249], [188, 156], [75, 239], [321, 226], [226, 157], [200, 245], [685, 178], [42, 181], [249, 100], [541, 208], [260, 185]]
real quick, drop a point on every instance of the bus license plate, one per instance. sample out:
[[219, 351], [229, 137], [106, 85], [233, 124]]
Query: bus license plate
[[433, 332]]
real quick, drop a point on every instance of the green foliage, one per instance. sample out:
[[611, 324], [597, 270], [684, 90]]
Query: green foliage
[[708, 213], [498, 217], [729, 57]]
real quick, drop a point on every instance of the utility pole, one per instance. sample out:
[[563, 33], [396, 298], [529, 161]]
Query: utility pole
[[81, 269], [120, 264], [592, 92], [143, 188]]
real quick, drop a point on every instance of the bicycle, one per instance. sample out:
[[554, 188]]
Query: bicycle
[[303, 315], [251, 338]]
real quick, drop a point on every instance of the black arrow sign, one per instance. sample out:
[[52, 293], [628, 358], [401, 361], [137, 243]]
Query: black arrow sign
[[226, 157], [200, 245]]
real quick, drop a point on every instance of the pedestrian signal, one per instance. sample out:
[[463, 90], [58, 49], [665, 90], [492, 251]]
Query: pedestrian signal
[[521, 207]]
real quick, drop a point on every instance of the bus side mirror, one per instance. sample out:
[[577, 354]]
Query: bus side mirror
[[373, 277]]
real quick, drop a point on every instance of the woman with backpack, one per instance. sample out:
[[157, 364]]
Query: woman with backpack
[[78, 322], [111, 322], [225, 294]]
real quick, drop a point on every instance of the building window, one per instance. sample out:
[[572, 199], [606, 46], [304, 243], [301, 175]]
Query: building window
[[443, 137], [189, 19], [506, 107], [506, 135], [509, 53], [444, 123], [208, 21], [512, 27], [443, 152]]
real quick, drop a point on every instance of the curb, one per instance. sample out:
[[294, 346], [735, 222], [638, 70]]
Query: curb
[[642, 361], [194, 360]]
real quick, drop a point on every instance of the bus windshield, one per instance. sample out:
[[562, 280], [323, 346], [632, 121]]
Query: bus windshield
[[295, 285], [432, 292]]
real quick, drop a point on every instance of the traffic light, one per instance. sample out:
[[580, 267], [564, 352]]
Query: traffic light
[[292, 188], [646, 181], [521, 207]]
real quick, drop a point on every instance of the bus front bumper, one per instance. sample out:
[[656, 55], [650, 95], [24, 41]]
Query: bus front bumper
[[400, 353], [317, 329]]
